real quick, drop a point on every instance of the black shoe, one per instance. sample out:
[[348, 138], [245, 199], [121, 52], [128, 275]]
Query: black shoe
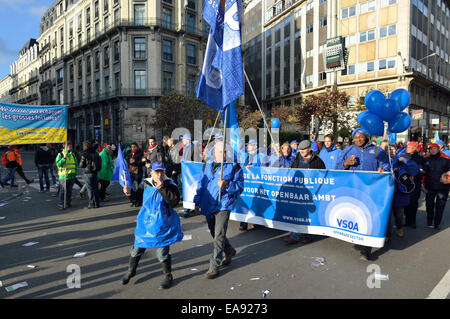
[[131, 270], [211, 274], [437, 227], [2, 185], [168, 278], [6, 184], [14, 185], [29, 181], [227, 260]]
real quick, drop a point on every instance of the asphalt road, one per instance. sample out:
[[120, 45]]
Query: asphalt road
[[417, 265]]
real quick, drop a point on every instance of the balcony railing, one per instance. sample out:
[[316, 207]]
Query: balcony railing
[[127, 92]]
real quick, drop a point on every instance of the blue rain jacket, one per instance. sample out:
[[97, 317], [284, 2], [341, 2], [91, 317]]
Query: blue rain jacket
[[157, 224], [366, 158], [208, 190]]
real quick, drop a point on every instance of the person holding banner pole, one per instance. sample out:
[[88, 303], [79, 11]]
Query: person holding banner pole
[[217, 212], [363, 156]]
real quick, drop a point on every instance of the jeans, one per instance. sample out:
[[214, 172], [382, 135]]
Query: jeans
[[91, 183], [10, 176], [51, 169], [435, 204], [161, 253], [218, 224], [397, 213], [62, 190], [43, 172]]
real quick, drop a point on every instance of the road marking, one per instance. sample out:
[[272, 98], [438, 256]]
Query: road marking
[[442, 289]]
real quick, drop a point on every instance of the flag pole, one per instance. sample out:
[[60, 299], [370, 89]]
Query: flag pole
[[223, 147], [259, 107]]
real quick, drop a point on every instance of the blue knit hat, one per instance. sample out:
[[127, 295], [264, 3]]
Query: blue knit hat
[[359, 130]]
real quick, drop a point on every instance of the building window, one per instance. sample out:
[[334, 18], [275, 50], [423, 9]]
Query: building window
[[167, 50], [322, 76], [392, 30], [139, 14], [96, 11], [348, 12], [117, 16], [88, 65], [97, 60], [97, 88], [116, 51], [367, 7], [367, 36], [191, 56], [308, 79], [310, 28], [117, 81], [105, 5], [140, 81], [323, 22], [60, 76], [139, 48], [80, 68], [166, 18], [168, 81], [106, 57], [71, 73], [79, 22], [309, 6], [190, 22], [106, 88], [88, 16], [191, 4]]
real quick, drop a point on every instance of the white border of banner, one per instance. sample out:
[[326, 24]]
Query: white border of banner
[[314, 230]]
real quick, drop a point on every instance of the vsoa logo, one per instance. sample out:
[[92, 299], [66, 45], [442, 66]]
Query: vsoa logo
[[349, 214], [348, 224]]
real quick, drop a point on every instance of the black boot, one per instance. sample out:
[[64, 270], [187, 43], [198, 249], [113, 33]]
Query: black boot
[[167, 269], [131, 270]]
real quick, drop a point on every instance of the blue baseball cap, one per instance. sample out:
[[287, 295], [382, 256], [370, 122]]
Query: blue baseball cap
[[294, 142], [359, 130], [439, 142], [187, 137], [158, 166], [252, 142]]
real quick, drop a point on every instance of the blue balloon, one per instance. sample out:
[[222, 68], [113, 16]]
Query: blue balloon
[[374, 101], [399, 123], [402, 97], [372, 124], [388, 110], [361, 115], [276, 123]]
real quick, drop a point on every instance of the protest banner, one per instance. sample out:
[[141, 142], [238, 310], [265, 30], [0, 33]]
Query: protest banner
[[32, 124], [351, 206]]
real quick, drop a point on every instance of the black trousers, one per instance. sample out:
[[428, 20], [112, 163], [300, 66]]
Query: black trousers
[[103, 186], [20, 172], [411, 209], [435, 203]]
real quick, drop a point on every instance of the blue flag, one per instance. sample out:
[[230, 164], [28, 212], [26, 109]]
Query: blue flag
[[233, 126], [121, 173], [221, 80]]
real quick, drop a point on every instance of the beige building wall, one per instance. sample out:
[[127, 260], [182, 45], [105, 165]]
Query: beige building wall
[[5, 87]]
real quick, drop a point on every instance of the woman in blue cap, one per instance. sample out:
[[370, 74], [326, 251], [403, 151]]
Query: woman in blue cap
[[157, 224]]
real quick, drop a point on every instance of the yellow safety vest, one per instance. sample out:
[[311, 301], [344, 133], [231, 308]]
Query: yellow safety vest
[[70, 168]]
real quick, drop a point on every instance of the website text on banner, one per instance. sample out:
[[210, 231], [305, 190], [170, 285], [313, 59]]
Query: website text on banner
[[351, 206], [28, 124]]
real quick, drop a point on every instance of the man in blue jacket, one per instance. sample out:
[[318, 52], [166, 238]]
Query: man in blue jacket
[[330, 154], [218, 212], [157, 224], [363, 156]]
